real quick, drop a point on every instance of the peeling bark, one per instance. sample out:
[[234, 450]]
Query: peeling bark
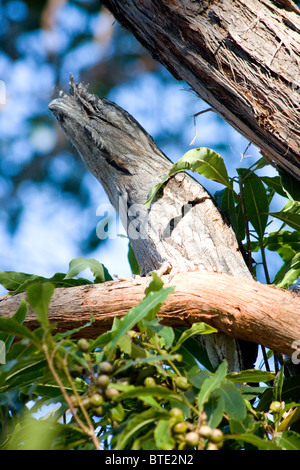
[[241, 57]]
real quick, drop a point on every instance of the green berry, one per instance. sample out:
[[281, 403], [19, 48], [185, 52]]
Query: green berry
[[275, 406], [180, 428], [212, 446], [98, 411], [192, 438], [216, 436], [83, 345], [103, 380], [96, 399], [149, 382], [205, 431], [177, 414], [182, 383], [105, 367], [111, 393]]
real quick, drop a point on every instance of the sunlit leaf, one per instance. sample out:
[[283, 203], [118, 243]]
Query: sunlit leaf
[[289, 273], [289, 218], [196, 329], [78, 265]]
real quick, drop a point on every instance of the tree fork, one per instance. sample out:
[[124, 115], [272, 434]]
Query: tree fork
[[243, 58], [246, 310]]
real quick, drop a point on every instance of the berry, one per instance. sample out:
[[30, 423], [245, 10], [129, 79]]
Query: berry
[[205, 431], [275, 406], [103, 380], [105, 367], [96, 399], [111, 393], [180, 428], [149, 382], [192, 438], [177, 413], [182, 383], [83, 344], [212, 446], [98, 411], [216, 436]]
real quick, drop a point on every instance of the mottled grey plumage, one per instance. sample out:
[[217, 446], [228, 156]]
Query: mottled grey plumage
[[183, 229]]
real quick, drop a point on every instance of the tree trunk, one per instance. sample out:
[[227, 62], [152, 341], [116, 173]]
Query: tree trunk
[[245, 310], [241, 57]]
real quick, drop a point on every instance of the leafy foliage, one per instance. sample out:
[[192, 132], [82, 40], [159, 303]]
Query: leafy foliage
[[134, 387], [142, 385]]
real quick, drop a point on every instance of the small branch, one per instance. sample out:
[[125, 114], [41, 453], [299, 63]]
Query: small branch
[[237, 307]]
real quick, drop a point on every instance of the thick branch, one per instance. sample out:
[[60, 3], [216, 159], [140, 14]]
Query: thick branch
[[245, 310], [240, 57]]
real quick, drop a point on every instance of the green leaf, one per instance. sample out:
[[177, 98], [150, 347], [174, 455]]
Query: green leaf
[[256, 203], [196, 329], [202, 160], [137, 424], [289, 273], [27, 372], [19, 316], [274, 183], [285, 242], [134, 266], [146, 360], [155, 285], [141, 392], [234, 404], [228, 206], [290, 185], [78, 265], [12, 280], [18, 282], [250, 376], [214, 409], [192, 351], [211, 384], [155, 190], [291, 418], [246, 425], [288, 440], [13, 327], [256, 441], [278, 384], [117, 413], [163, 436], [39, 296], [291, 219]]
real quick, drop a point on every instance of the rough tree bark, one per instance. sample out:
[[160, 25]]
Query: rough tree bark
[[243, 309], [242, 57], [183, 230]]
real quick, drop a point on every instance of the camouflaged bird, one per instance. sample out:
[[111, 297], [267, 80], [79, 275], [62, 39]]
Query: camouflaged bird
[[183, 230]]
